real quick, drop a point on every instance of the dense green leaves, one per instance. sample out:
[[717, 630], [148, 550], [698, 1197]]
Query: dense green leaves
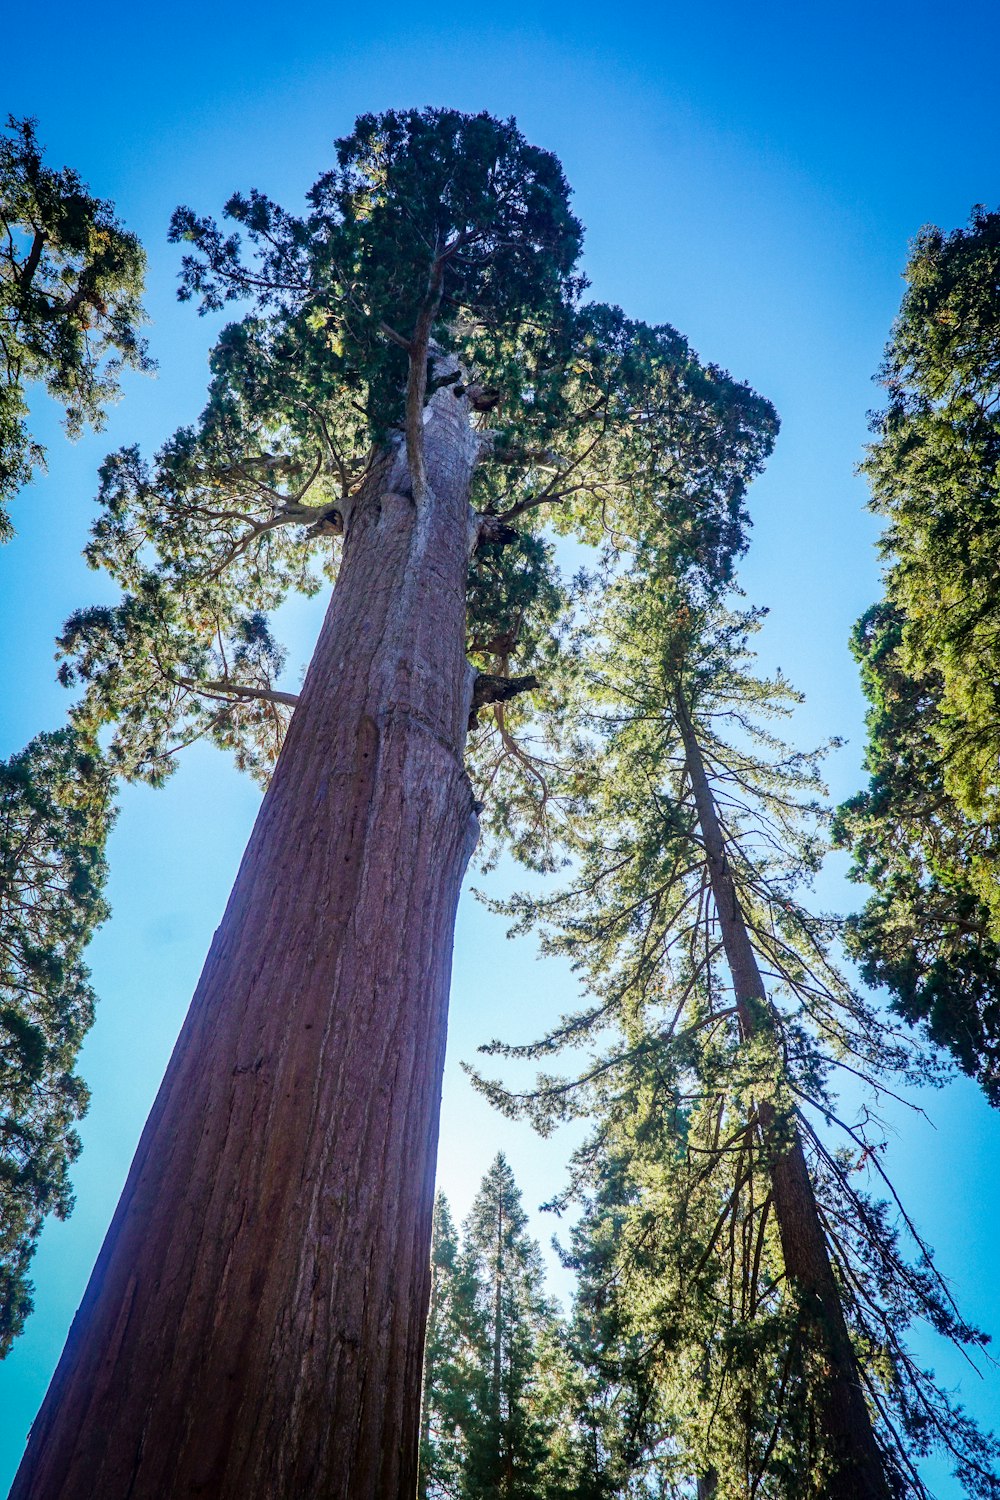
[[54, 819], [925, 933], [925, 832], [70, 282], [436, 231]]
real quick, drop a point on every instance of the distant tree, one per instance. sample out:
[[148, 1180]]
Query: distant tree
[[54, 819], [71, 279], [444, 1401], [418, 377], [508, 1322], [627, 1440], [925, 833], [770, 1294], [497, 1407]]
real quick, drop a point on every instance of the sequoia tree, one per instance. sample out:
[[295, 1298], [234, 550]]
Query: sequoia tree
[[254, 1324], [70, 282], [924, 832]]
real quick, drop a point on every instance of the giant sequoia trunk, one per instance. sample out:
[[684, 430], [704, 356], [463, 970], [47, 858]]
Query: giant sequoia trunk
[[858, 1471], [253, 1328]]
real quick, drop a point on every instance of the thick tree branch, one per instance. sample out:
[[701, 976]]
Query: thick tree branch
[[397, 338], [491, 689], [494, 530], [31, 262], [223, 688]]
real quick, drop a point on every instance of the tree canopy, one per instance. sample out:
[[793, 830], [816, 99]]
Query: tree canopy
[[54, 818], [71, 280], [585, 415], [924, 833]]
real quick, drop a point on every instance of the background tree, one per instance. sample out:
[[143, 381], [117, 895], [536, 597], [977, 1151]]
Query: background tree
[[444, 1400], [54, 818], [771, 1293], [500, 1388], [924, 833], [509, 1446], [71, 279]]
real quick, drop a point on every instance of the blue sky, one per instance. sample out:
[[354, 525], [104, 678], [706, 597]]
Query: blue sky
[[751, 174]]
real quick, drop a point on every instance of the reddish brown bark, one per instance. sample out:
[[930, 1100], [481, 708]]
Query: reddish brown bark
[[858, 1472], [254, 1325]]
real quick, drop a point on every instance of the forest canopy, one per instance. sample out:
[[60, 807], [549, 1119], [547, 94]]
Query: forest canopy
[[418, 410]]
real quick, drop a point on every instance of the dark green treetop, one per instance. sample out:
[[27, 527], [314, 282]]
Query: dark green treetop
[[54, 817], [925, 832], [71, 279], [511, 1335]]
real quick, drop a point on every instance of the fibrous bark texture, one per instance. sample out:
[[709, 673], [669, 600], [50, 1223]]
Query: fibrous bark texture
[[858, 1472], [254, 1324]]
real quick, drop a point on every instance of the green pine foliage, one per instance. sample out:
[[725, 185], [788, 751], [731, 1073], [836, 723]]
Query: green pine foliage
[[55, 815], [678, 1249], [71, 279], [925, 833], [445, 1411], [497, 1410]]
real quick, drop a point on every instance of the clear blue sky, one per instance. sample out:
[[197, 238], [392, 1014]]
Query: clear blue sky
[[751, 174]]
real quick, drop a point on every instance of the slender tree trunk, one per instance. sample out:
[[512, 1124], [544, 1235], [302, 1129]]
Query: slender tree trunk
[[498, 1337], [859, 1473], [253, 1329]]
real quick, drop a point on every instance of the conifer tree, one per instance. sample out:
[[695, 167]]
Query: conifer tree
[[771, 1292], [71, 280], [924, 833], [54, 819], [415, 377], [497, 1404], [507, 1318], [444, 1407]]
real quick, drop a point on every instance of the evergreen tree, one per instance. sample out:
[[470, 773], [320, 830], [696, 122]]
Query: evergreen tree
[[70, 282], [506, 1318], [272, 1241], [54, 819], [769, 1293], [497, 1413], [627, 1442], [444, 1405], [924, 833]]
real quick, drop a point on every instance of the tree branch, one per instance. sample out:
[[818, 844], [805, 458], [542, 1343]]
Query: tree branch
[[226, 689], [490, 689]]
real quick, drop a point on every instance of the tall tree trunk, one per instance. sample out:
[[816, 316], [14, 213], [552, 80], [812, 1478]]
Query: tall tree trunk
[[859, 1473], [254, 1324]]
